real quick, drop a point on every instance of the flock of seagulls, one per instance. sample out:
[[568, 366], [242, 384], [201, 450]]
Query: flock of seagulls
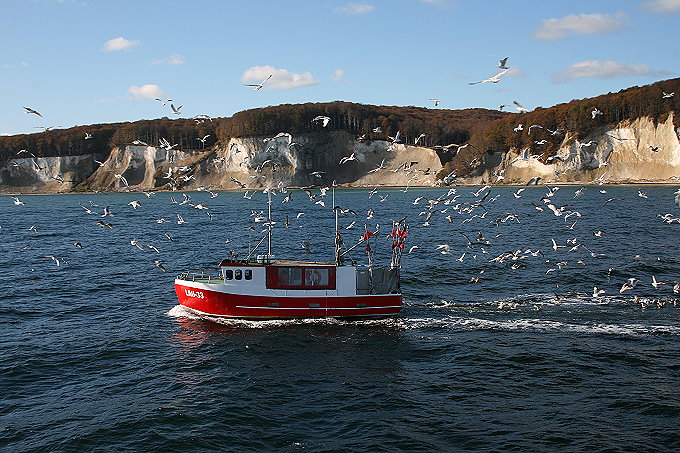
[[478, 218]]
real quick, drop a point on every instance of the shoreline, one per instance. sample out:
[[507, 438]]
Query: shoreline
[[3, 192]]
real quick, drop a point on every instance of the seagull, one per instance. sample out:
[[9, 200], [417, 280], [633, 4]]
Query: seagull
[[630, 284], [520, 108], [159, 265], [78, 244], [56, 261], [107, 212], [152, 247], [668, 95], [396, 138], [656, 283], [135, 204], [379, 167], [258, 86], [17, 201], [135, 242], [175, 110], [162, 101], [519, 127], [501, 63], [30, 110], [654, 149], [324, 120], [378, 130], [418, 139], [595, 112], [101, 224], [202, 140], [122, 179], [347, 159], [241, 185], [88, 136], [501, 107], [180, 219], [532, 126], [444, 249], [598, 292], [436, 101], [493, 79]]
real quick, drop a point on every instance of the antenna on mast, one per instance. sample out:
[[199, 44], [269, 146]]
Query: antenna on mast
[[338, 239]]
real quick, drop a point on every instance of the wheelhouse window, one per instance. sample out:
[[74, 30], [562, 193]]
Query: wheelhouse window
[[289, 277], [228, 274], [248, 274], [238, 274]]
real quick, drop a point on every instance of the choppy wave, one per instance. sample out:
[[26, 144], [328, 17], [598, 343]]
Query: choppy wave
[[538, 325]]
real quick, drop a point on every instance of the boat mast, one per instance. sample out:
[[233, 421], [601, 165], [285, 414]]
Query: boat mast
[[269, 223], [337, 241]]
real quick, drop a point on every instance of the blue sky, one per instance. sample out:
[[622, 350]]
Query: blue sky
[[93, 61]]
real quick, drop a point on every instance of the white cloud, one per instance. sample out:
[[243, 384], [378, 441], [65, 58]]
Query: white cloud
[[337, 75], [354, 8], [434, 2], [663, 6], [148, 91], [171, 60], [119, 43], [579, 24], [604, 69], [282, 79]]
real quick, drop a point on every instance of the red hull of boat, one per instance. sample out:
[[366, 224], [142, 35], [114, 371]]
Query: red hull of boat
[[221, 304]]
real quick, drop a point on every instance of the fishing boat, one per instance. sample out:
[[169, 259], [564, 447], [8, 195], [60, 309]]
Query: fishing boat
[[262, 287]]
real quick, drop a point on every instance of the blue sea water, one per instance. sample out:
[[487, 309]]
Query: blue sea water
[[96, 355]]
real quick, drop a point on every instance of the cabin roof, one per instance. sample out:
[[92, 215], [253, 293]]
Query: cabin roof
[[280, 263]]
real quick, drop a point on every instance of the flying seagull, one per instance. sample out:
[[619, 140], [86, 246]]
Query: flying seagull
[[324, 120], [175, 110], [494, 79], [30, 110], [258, 86], [436, 101], [501, 63], [347, 159], [520, 108]]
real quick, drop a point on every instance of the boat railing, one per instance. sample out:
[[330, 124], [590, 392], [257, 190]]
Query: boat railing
[[200, 276]]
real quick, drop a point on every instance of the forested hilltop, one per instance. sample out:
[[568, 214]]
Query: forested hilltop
[[440, 126], [630, 135]]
